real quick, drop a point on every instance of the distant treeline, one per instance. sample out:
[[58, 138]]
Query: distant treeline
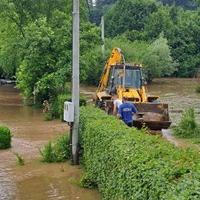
[[36, 41], [145, 20], [99, 7]]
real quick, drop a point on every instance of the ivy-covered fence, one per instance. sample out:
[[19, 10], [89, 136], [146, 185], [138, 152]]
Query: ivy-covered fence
[[128, 164]]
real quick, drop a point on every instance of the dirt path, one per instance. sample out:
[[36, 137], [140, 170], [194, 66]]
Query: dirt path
[[35, 180]]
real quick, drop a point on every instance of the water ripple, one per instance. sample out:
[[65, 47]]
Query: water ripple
[[7, 186]]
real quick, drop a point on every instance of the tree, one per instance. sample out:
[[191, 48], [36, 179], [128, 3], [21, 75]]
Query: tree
[[9, 48], [185, 47], [128, 15], [98, 8], [157, 60], [159, 21], [15, 16], [155, 57], [46, 63], [189, 4]]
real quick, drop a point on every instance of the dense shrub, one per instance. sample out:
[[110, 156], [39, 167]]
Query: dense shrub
[[56, 108], [56, 151], [197, 89], [188, 127], [5, 137], [127, 164]]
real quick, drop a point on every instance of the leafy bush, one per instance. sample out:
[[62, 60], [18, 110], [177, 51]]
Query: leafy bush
[[155, 56], [5, 137], [57, 151], [127, 164], [48, 116], [188, 127], [56, 108], [198, 89]]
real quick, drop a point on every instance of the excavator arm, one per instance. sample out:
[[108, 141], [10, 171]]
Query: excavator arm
[[115, 58]]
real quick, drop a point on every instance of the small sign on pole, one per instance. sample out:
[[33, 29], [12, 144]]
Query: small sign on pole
[[68, 111]]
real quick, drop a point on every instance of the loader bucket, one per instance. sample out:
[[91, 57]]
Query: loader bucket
[[155, 116]]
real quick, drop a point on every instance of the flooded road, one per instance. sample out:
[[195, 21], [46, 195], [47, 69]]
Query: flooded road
[[35, 180]]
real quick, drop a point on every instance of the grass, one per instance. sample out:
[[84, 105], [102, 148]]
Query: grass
[[57, 150], [5, 137], [188, 126], [48, 116], [19, 159]]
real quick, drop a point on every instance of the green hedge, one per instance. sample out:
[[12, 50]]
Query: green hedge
[[127, 164], [5, 137]]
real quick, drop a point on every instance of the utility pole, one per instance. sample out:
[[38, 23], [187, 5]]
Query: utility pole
[[75, 83], [103, 36]]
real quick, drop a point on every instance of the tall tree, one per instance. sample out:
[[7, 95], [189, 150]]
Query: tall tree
[[190, 4], [185, 43], [128, 15]]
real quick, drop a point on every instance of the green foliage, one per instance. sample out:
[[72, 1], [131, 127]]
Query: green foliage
[[190, 4], [133, 14], [48, 116], [56, 151], [198, 89], [185, 48], [36, 42], [19, 159], [46, 64], [159, 22], [146, 20], [188, 127], [57, 105], [5, 137], [133, 51], [156, 57], [9, 49], [127, 164]]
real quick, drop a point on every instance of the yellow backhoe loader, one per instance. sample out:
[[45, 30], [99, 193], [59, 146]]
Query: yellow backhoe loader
[[126, 80]]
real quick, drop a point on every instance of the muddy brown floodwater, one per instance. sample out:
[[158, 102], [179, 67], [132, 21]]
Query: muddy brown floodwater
[[179, 93], [35, 180]]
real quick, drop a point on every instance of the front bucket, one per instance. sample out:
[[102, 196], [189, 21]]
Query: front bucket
[[155, 116]]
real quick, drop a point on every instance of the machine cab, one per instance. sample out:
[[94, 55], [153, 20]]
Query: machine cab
[[125, 77]]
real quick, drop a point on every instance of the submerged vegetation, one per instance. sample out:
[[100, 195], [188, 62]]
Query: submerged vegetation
[[56, 151], [198, 89], [19, 159], [188, 126], [5, 137]]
